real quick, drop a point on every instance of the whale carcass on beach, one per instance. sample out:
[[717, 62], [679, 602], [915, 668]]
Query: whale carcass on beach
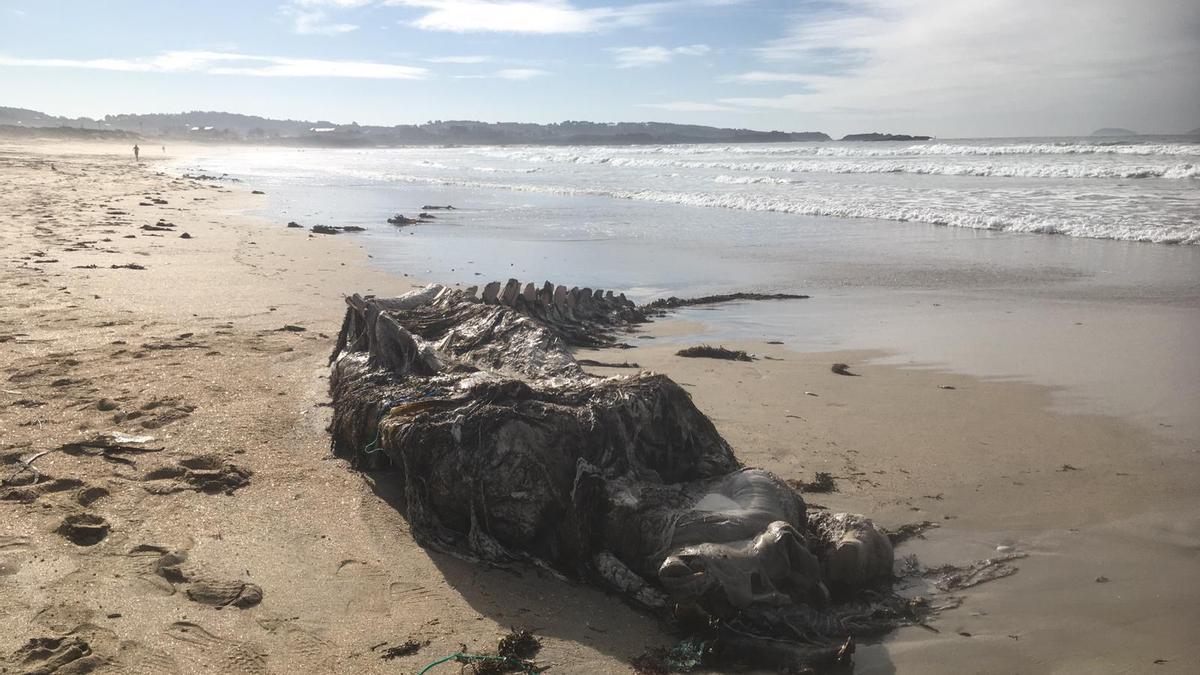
[[507, 452]]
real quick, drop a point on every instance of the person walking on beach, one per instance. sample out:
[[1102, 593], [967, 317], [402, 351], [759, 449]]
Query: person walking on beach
[[136, 150]]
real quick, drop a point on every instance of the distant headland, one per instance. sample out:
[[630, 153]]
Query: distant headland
[[231, 127], [1114, 131]]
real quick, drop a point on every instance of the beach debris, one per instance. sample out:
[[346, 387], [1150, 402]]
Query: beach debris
[[513, 455], [128, 266], [954, 578], [946, 386], [291, 328], [294, 224], [26, 466], [406, 648], [842, 369], [607, 364], [324, 229], [1067, 467], [521, 644], [257, 192], [426, 216], [676, 303], [683, 657], [401, 220], [185, 235], [774, 342], [908, 531], [130, 438], [811, 393], [822, 482], [1102, 579], [711, 352], [108, 447]]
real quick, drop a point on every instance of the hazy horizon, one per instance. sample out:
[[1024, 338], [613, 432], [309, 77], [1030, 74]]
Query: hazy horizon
[[1003, 68]]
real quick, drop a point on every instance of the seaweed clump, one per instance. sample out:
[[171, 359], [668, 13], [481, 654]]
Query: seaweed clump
[[711, 352]]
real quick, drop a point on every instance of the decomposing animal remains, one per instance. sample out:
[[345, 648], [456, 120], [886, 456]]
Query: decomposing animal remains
[[508, 452]]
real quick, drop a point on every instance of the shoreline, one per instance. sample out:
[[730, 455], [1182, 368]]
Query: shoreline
[[338, 570]]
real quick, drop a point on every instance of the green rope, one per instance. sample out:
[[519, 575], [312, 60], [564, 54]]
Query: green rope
[[463, 657], [373, 447]]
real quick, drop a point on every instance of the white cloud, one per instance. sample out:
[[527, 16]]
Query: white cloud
[[759, 77], [316, 22], [227, 63], [636, 57], [1001, 66], [458, 59], [520, 73], [333, 3], [505, 74], [687, 106], [521, 16], [539, 16]]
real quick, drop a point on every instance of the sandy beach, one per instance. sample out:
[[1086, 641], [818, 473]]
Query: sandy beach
[[216, 345]]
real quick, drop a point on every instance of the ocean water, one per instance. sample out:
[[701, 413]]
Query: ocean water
[[653, 220], [1038, 259], [1134, 191]]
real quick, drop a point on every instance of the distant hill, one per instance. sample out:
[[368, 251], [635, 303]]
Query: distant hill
[[876, 136], [64, 133], [1193, 132], [222, 126], [1114, 131], [33, 118]]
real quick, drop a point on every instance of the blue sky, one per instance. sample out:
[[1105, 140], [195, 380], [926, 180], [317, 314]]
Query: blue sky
[[946, 67]]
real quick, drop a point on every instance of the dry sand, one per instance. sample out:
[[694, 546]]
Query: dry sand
[[189, 350]]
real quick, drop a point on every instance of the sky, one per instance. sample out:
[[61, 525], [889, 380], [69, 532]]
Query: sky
[[941, 67]]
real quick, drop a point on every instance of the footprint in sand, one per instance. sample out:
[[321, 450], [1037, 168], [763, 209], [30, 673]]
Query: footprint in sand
[[207, 473], [163, 569], [62, 617], [136, 658], [362, 588], [26, 494], [303, 645], [84, 529], [221, 654], [65, 654]]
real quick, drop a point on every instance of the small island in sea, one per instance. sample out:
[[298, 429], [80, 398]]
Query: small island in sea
[[876, 136]]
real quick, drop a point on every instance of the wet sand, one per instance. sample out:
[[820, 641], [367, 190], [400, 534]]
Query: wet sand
[[190, 350]]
